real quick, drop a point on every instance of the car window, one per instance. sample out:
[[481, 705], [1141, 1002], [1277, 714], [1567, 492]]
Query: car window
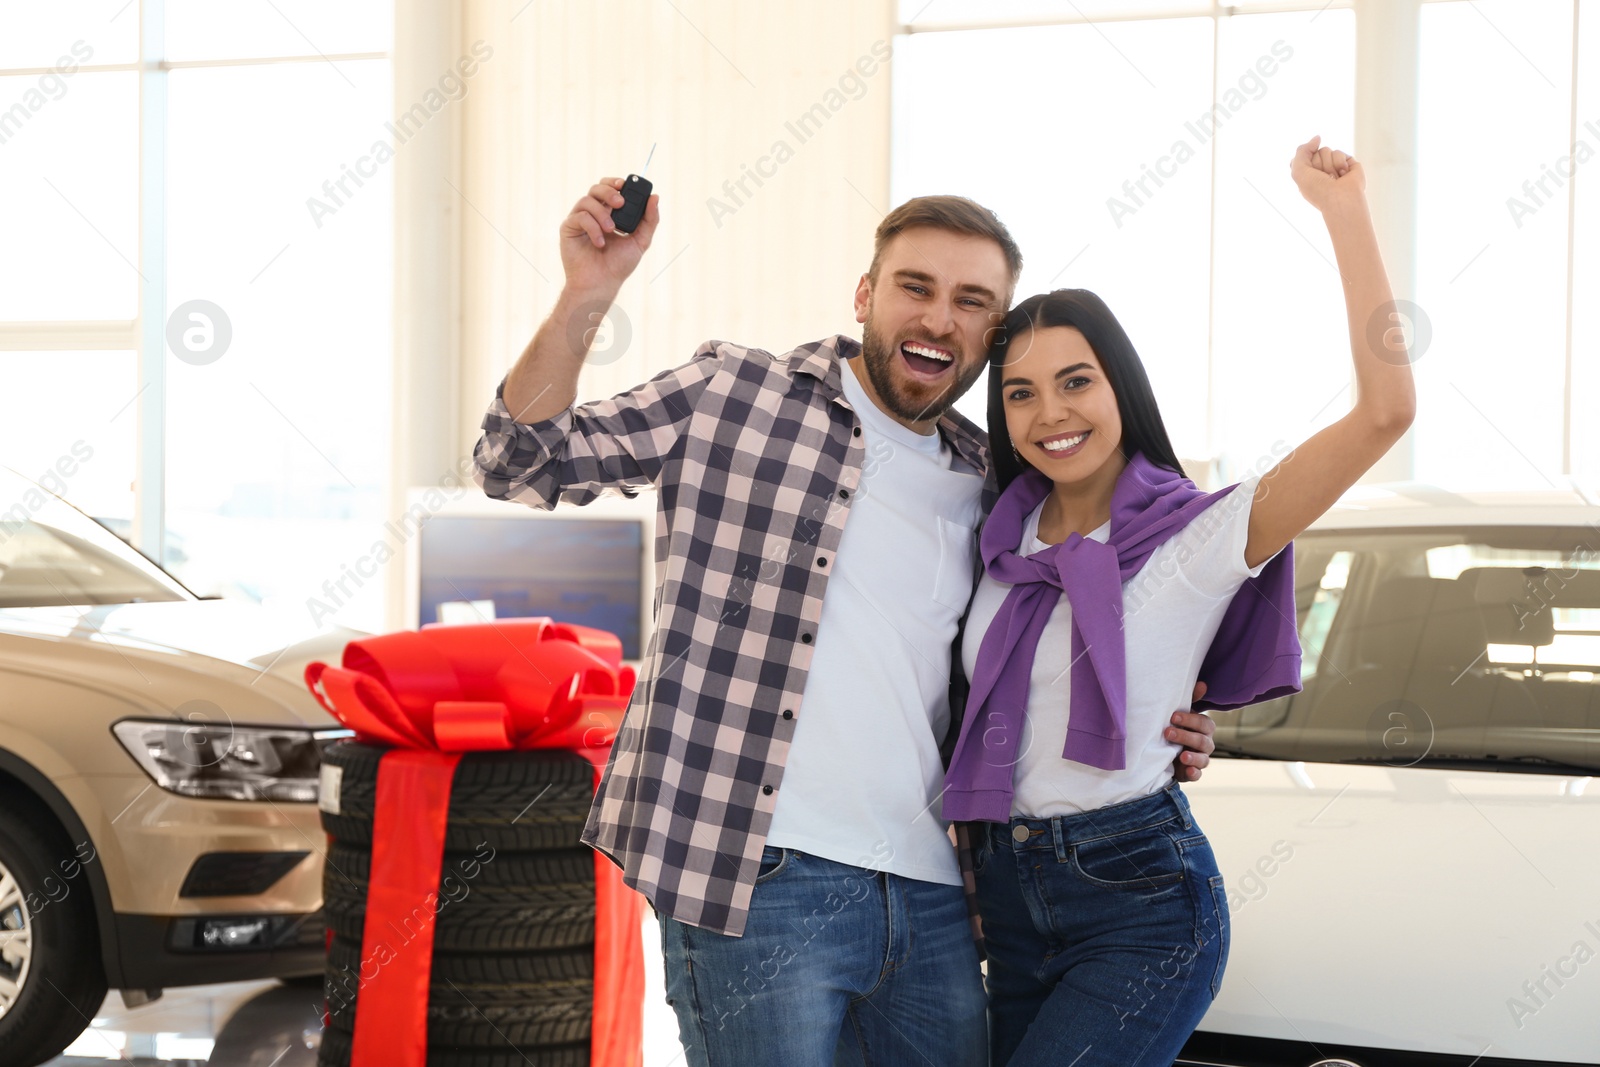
[[53, 555], [1317, 619], [1472, 647]]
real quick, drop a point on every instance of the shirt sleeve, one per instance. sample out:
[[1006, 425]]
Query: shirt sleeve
[[616, 444], [1209, 552]]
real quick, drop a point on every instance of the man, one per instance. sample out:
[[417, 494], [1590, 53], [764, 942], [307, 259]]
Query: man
[[774, 790]]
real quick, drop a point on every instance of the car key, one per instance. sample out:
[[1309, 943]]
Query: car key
[[635, 198]]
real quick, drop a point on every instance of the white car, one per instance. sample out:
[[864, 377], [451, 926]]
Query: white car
[[1412, 843]]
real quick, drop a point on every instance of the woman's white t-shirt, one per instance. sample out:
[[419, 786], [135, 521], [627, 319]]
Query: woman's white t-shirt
[[1171, 611]]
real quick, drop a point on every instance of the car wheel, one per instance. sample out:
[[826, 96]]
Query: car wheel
[[51, 982]]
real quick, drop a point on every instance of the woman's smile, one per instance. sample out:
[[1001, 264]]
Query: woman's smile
[[1060, 445]]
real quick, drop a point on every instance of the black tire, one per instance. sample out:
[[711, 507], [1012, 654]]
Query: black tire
[[511, 969], [489, 1002], [540, 900], [336, 1053], [554, 875], [61, 984], [512, 801], [516, 928]]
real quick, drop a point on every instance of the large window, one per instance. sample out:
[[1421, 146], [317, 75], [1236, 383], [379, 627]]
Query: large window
[[1583, 450], [1141, 150], [247, 145], [1491, 243]]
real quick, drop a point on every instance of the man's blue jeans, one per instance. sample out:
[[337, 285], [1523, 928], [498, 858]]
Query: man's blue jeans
[[838, 965], [1107, 934]]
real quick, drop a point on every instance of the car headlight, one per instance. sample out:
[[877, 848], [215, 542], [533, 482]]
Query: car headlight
[[223, 761]]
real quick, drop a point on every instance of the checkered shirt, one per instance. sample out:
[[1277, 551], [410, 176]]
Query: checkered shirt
[[756, 459]]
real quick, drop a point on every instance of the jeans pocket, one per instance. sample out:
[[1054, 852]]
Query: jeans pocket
[[1218, 926], [1146, 858], [774, 861]]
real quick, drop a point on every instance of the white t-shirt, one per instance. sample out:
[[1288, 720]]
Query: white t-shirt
[[863, 779], [1172, 608]]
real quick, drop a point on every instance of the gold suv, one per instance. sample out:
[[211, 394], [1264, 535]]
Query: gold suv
[[159, 758]]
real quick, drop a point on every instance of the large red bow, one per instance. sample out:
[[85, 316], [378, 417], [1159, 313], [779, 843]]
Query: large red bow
[[431, 695], [516, 683]]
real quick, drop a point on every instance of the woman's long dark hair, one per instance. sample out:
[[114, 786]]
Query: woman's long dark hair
[[1142, 428]]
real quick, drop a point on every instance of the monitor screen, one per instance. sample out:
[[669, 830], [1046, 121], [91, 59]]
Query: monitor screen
[[584, 571]]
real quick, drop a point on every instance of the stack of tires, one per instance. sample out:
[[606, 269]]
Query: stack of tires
[[513, 951]]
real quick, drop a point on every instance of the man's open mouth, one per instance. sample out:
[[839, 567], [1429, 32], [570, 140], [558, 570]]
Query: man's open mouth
[[925, 360]]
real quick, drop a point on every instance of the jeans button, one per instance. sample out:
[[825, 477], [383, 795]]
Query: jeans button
[[1019, 834]]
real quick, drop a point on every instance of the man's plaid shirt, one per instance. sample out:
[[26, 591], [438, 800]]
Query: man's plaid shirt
[[756, 459]]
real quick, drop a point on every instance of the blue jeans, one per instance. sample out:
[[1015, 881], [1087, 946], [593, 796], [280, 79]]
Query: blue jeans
[[1107, 933], [838, 965]]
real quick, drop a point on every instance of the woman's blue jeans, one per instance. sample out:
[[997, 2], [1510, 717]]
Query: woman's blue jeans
[[1107, 934], [838, 965]]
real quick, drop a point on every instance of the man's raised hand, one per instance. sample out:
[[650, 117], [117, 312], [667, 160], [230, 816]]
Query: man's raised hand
[[597, 259]]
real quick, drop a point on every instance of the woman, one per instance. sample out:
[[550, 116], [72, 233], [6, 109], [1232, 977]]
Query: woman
[[1103, 910]]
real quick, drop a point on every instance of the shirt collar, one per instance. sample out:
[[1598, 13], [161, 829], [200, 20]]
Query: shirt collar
[[820, 359]]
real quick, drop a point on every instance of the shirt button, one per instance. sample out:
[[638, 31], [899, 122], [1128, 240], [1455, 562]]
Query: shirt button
[[787, 714], [822, 561], [1019, 834], [805, 639], [767, 790], [844, 494], [856, 432]]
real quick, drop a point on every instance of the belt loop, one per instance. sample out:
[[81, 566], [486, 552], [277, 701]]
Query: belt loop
[[1181, 802], [1058, 838]]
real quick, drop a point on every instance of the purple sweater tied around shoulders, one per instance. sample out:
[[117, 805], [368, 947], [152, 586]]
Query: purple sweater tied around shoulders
[[1255, 655]]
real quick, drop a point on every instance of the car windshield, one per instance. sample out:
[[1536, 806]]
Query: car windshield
[[53, 555], [1440, 647]]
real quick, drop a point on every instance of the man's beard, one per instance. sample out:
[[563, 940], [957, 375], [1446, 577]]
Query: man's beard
[[877, 356]]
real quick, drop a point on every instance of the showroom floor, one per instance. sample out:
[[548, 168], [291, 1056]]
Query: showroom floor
[[271, 1024]]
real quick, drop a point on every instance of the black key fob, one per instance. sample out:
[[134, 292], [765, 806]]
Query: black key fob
[[635, 198]]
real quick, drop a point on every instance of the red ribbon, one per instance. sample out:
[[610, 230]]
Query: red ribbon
[[431, 695]]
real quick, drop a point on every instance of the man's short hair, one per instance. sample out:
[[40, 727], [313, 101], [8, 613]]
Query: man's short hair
[[954, 213]]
